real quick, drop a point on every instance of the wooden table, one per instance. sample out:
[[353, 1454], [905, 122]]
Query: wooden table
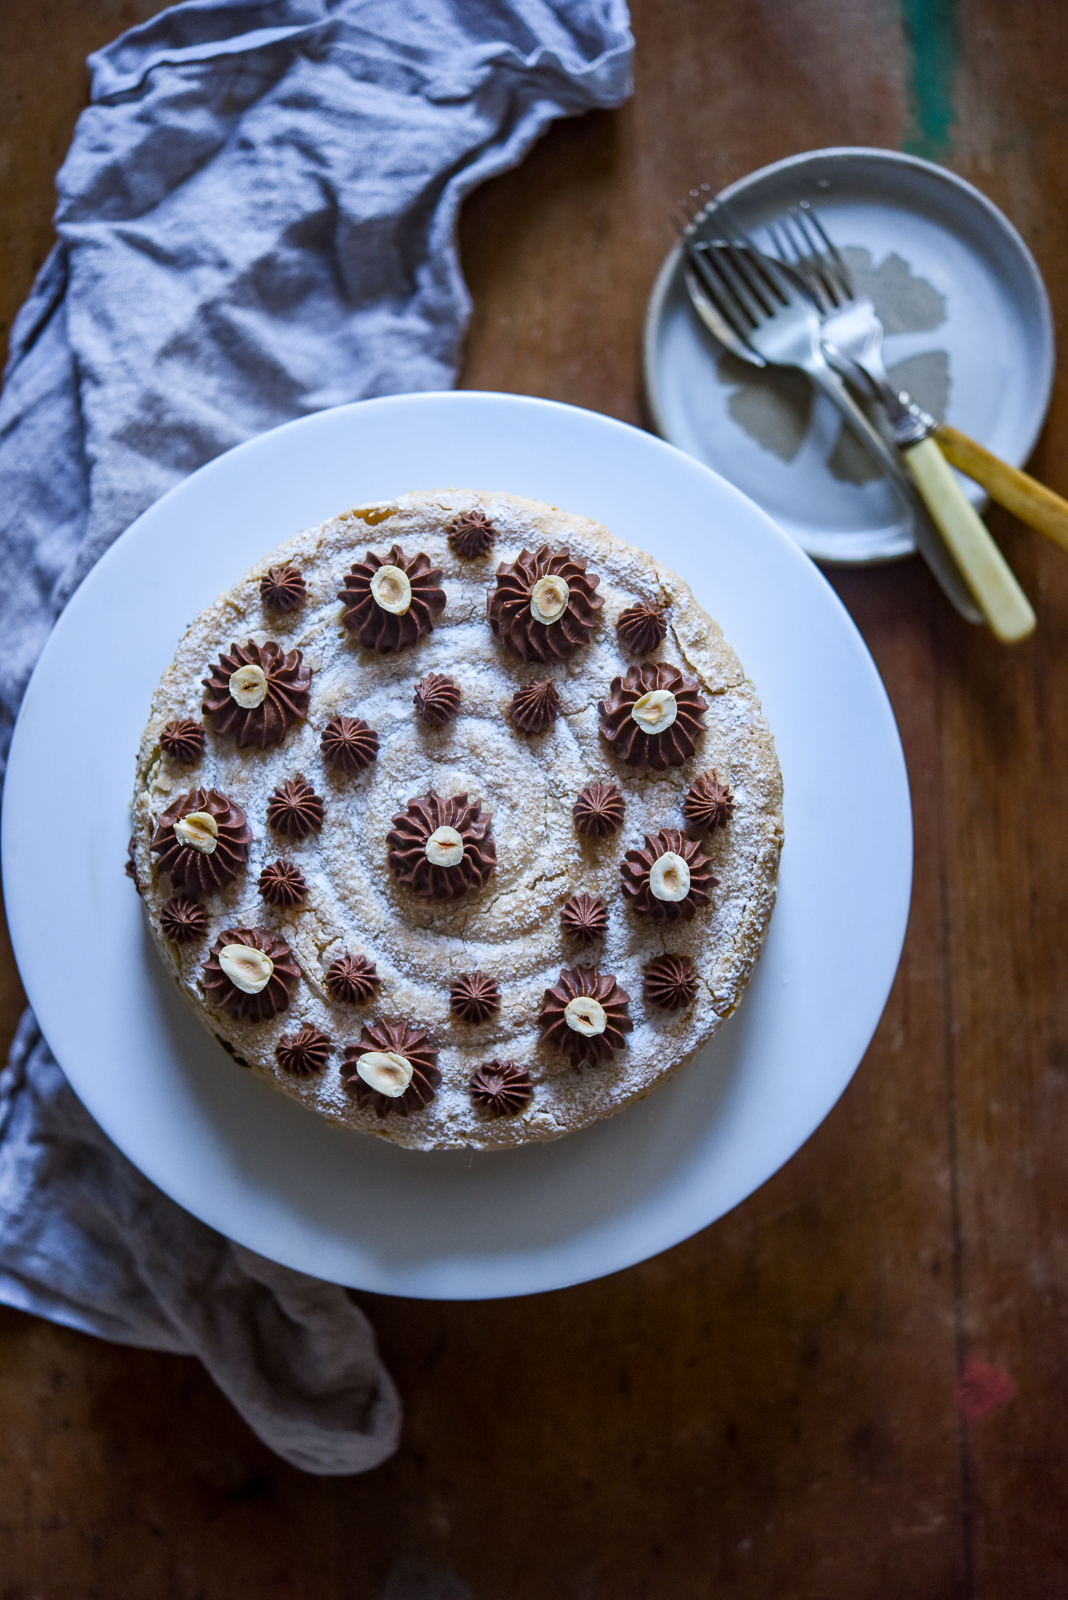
[[770, 1409]]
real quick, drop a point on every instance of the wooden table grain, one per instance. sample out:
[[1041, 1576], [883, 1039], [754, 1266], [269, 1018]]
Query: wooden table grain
[[855, 1384]]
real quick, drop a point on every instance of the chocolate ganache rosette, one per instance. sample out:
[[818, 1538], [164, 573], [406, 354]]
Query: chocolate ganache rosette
[[471, 534], [303, 1053], [670, 879], [183, 740], [348, 744], [641, 629], [202, 840], [669, 983], [390, 603], [255, 693], [653, 716], [283, 588], [585, 1015], [249, 973], [441, 848], [544, 605], [393, 1068], [501, 1087], [352, 980]]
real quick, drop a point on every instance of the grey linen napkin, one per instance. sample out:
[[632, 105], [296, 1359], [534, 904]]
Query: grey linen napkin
[[256, 220]]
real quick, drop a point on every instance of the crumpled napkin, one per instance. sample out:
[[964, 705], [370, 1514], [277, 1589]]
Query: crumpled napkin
[[256, 221]]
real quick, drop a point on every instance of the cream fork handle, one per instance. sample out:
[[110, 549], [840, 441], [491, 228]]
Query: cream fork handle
[[986, 572], [1017, 491]]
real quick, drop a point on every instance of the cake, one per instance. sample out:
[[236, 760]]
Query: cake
[[458, 821]]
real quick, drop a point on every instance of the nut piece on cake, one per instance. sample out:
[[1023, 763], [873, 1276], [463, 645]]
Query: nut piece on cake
[[441, 848], [585, 1016], [391, 603], [670, 879], [545, 605], [250, 972], [202, 840], [653, 716], [393, 1068], [255, 693]]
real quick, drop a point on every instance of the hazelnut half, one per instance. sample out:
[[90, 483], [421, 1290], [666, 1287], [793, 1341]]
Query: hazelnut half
[[248, 970], [444, 848], [656, 711], [248, 686], [199, 830], [385, 1071], [669, 877], [392, 590], [585, 1014], [548, 598]]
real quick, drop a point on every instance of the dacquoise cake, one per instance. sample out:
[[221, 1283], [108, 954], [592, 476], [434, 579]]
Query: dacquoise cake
[[458, 820]]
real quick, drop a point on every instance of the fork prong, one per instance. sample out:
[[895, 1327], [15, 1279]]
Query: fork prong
[[801, 263], [813, 264], [754, 296], [707, 264], [834, 267], [759, 265]]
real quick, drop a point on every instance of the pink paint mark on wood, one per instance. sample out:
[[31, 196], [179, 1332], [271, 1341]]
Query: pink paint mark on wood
[[982, 1389]]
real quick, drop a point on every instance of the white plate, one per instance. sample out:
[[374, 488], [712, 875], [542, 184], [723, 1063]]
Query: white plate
[[346, 1207], [960, 288]]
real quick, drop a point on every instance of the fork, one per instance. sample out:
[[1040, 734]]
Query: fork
[[733, 288], [853, 338], [772, 314]]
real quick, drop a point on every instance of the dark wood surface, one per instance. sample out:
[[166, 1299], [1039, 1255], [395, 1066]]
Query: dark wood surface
[[769, 1410]]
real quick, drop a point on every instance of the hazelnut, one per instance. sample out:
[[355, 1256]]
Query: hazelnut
[[199, 830], [444, 848], [247, 969], [248, 686], [585, 1014], [548, 599], [392, 590], [669, 877], [385, 1071], [656, 711]]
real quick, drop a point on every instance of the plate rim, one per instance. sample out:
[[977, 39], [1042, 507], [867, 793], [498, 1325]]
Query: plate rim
[[15, 794], [668, 271]]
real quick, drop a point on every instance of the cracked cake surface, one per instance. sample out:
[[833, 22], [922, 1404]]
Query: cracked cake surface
[[357, 911]]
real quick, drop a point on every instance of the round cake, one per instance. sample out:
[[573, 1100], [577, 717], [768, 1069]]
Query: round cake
[[458, 821]]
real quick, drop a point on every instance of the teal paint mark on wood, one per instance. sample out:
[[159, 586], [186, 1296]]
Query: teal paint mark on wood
[[932, 44]]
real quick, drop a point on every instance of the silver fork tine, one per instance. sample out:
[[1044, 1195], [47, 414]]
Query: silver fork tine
[[715, 274], [807, 210], [727, 262], [813, 265], [757, 264], [801, 262], [832, 268]]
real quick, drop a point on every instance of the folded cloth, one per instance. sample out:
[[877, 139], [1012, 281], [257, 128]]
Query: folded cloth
[[256, 220]]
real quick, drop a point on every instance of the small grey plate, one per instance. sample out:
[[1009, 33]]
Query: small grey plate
[[968, 333]]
